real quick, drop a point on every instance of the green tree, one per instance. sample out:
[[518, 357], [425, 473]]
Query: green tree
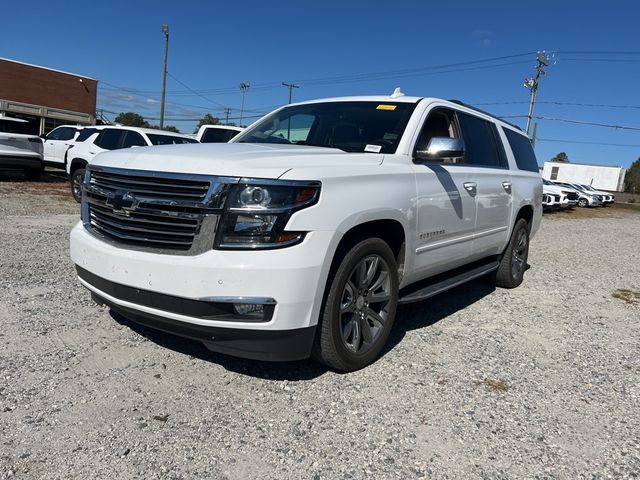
[[632, 178], [171, 128], [560, 157], [208, 119], [131, 119]]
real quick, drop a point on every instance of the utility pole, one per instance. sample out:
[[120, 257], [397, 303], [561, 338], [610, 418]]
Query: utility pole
[[535, 134], [227, 111], [542, 60], [165, 30], [243, 89], [290, 86]]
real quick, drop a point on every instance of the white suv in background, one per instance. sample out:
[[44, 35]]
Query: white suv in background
[[303, 235], [56, 143], [217, 133], [18, 150], [607, 198], [587, 197], [113, 138]]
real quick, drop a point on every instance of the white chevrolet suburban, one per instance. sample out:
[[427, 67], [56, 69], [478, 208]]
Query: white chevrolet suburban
[[301, 236]]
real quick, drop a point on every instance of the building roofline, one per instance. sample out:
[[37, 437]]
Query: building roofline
[[585, 164], [47, 68]]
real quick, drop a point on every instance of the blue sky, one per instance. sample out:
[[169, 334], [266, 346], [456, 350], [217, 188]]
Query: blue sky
[[216, 45]]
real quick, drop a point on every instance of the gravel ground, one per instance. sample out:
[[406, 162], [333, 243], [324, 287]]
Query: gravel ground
[[537, 382]]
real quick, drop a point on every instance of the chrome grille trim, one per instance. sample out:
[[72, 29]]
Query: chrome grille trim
[[169, 213]]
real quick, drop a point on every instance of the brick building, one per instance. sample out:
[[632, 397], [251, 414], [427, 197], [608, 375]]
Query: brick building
[[46, 97]]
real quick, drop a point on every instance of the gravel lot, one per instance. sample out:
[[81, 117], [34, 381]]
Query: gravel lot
[[538, 382]]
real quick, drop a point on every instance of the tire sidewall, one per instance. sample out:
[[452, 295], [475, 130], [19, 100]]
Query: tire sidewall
[[78, 172], [331, 317], [519, 226]]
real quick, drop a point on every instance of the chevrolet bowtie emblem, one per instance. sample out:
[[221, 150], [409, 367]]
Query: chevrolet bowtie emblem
[[122, 203]]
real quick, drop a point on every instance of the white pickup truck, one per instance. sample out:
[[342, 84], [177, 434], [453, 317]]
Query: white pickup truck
[[302, 236]]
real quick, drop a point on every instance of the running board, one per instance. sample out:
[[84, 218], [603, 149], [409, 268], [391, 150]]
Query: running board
[[440, 283]]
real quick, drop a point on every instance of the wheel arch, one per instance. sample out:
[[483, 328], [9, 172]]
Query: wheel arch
[[77, 163]]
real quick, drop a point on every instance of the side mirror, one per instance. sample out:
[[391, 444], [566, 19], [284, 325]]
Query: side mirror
[[43, 136], [442, 148]]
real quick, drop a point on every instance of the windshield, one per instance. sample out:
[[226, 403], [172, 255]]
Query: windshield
[[374, 127]]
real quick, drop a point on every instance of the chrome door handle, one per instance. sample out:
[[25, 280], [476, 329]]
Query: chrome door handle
[[507, 186], [470, 186]]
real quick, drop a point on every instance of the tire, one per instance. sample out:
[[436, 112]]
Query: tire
[[359, 307], [33, 173], [583, 202], [76, 184], [513, 262]]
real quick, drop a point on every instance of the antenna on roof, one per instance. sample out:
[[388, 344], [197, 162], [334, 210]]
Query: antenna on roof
[[397, 93]]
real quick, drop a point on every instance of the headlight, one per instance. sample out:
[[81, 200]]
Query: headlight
[[256, 213]]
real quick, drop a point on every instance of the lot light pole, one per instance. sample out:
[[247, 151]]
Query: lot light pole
[[243, 89], [165, 31]]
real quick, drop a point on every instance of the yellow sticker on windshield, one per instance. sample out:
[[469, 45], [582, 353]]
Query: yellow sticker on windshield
[[386, 107]]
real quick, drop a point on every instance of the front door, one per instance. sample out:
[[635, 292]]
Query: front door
[[446, 203]]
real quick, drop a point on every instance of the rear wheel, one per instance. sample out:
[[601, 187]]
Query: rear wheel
[[513, 263], [77, 178], [360, 307]]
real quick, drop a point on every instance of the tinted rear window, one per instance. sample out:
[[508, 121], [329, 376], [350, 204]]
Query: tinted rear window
[[218, 135], [156, 139], [523, 151]]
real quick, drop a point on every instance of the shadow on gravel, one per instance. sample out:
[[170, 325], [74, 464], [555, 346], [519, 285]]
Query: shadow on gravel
[[409, 317], [48, 176], [291, 371], [429, 312]]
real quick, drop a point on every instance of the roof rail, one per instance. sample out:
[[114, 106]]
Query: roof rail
[[460, 102]]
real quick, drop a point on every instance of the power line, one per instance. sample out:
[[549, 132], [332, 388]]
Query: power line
[[551, 102], [588, 143], [594, 124], [194, 92]]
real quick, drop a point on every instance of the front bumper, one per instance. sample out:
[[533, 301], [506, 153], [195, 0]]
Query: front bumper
[[145, 287]]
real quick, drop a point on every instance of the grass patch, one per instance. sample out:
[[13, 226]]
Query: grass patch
[[626, 295], [499, 386]]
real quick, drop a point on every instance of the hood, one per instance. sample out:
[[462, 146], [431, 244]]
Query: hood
[[233, 159]]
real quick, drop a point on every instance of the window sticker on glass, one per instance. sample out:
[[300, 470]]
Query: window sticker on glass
[[386, 107], [373, 148]]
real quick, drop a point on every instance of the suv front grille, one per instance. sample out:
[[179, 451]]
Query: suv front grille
[[164, 212]]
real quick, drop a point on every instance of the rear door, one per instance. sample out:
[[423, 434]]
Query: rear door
[[486, 163]]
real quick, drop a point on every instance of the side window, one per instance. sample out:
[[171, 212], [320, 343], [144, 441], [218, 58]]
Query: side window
[[67, 133], [554, 173], [481, 144], [133, 139], [523, 151], [55, 134], [214, 135], [439, 123], [85, 133], [109, 139]]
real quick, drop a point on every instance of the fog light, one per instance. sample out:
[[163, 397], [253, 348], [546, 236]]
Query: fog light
[[248, 309]]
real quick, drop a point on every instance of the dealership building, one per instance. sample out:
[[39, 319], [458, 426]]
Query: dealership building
[[45, 97]]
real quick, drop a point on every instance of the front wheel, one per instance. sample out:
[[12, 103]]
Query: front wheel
[[513, 263], [583, 202], [77, 177], [360, 307]]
